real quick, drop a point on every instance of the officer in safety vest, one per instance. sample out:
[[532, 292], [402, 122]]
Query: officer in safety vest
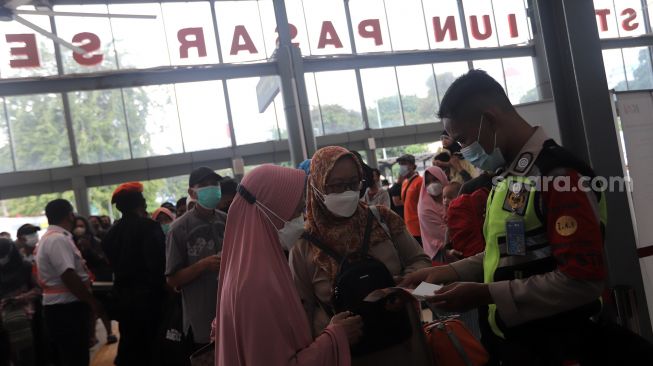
[[540, 278]]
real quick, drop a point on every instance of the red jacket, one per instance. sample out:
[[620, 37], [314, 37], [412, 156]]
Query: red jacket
[[465, 218]]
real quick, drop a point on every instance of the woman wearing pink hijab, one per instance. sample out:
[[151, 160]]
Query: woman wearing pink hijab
[[431, 211], [260, 319]]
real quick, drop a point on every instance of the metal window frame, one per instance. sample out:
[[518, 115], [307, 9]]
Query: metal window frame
[[81, 176]]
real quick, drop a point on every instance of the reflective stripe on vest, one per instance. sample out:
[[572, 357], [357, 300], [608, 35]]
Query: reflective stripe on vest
[[494, 231]]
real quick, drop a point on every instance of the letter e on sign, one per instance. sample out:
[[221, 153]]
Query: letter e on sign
[[29, 50]]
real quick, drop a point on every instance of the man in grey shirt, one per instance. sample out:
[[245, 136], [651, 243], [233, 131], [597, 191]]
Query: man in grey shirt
[[193, 248]]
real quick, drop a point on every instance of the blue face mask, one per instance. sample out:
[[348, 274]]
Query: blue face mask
[[477, 156], [208, 197]]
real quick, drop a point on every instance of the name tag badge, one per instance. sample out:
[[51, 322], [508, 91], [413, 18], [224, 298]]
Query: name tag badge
[[515, 236]]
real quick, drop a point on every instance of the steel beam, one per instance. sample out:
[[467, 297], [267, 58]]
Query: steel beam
[[584, 109], [134, 78], [370, 60]]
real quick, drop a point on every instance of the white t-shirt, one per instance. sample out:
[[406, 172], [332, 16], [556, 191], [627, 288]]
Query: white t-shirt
[[55, 253]]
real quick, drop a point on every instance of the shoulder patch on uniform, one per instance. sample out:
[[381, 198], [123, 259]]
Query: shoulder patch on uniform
[[523, 162], [566, 225]]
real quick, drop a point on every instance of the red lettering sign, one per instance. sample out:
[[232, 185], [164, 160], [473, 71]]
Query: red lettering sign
[[197, 41], [476, 33], [628, 24], [89, 42], [30, 51], [512, 25], [241, 32], [371, 28], [328, 35], [441, 30], [603, 18], [293, 34]]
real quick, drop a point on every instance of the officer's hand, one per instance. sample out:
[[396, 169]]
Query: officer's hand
[[461, 296], [211, 263], [435, 275]]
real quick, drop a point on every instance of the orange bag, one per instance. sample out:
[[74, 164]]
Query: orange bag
[[453, 344]]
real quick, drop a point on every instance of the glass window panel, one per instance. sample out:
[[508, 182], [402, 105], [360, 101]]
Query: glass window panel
[[614, 69], [268, 24], [481, 26], [140, 43], [418, 93], [314, 102], [638, 68], [102, 59], [39, 132], [99, 124], [407, 31], [327, 18], [520, 78], [494, 68], [606, 19], [203, 115], [192, 23], [370, 26], [239, 25], [630, 18], [250, 125], [382, 97], [511, 20], [6, 163], [25, 41], [443, 11], [15, 212], [295, 12], [446, 73], [153, 121], [339, 101]]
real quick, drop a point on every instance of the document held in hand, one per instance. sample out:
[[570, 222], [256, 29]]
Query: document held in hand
[[421, 292]]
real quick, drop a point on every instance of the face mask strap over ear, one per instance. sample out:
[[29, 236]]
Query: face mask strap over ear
[[251, 199]]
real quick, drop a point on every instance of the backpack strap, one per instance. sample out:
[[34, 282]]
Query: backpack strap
[[368, 232], [375, 211], [315, 241]]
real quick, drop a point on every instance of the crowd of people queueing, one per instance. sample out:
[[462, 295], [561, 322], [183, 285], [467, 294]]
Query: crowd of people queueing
[[264, 272]]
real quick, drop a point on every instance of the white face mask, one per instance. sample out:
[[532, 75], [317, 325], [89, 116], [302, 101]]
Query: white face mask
[[434, 189], [340, 204], [31, 240], [79, 231], [291, 232], [403, 170]]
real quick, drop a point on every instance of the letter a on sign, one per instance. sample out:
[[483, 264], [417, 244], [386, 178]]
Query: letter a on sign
[[328, 35], [241, 32]]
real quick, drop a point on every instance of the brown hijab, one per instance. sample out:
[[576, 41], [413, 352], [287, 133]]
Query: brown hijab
[[344, 235]]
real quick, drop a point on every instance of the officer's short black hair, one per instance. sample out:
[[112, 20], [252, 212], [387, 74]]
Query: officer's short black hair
[[58, 210], [470, 94]]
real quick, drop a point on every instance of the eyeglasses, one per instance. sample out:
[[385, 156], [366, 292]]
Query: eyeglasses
[[342, 187]]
